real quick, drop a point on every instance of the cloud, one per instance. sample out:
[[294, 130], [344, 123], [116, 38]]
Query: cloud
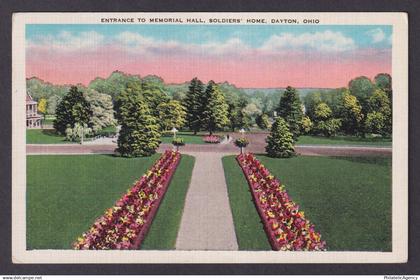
[[377, 35], [136, 43], [327, 41], [66, 41]]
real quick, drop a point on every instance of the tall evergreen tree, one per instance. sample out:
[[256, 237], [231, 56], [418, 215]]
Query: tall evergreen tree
[[215, 113], [139, 134], [193, 104], [73, 108], [290, 109], [280, 141]]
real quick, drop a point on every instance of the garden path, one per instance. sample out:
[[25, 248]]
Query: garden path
[[207, 222]]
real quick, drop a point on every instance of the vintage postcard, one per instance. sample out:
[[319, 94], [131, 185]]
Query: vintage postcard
[[210, 138]]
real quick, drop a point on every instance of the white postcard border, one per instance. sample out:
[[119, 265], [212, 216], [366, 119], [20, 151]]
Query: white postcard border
[[399, 253]]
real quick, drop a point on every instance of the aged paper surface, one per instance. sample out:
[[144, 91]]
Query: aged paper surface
[[247, 42]]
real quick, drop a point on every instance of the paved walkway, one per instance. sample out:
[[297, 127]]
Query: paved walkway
[[228, 148], [207, 222]]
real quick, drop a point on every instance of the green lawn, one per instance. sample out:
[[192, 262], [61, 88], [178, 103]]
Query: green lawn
[[44, 136], [47, 121], [343, 140], [348, 200], [164, 230], [189, 137], [248, 227], [65, 194]]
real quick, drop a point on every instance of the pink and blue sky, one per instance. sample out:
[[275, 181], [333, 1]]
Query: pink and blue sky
[[249, 56]]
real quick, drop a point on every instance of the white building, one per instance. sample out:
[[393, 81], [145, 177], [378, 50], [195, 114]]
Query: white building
[[33, 120]]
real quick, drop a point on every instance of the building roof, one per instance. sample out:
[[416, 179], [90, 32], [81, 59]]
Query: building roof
[[29, 99]]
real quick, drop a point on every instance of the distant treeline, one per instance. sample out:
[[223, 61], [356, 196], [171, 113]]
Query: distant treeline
[[255, 105]]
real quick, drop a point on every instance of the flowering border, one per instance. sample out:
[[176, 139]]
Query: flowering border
[[212, 139], [285, 226], [125, 225]]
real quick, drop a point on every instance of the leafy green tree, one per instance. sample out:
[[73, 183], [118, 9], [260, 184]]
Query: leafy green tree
[[73, 108], [311, 100], [379, 103], [350, 112], [280, 141], [263, 121], [324, 122], [139, 134], [215, 113], [375, 123], [328, 127], [307, 125], [42, 106], [193, 103], [38, 89], [171, 114], [362, 87], [384, 82], [113, 85], [252, 112], [153, 90], [52, 102], [102, 110], [290, 109], [236, 114]]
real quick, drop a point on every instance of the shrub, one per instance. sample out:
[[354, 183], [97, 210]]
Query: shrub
[[76, 133], [177, 142], [280, 141], [241, 143]]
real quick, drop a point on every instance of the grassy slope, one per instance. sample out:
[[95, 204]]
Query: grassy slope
[[65, 194], [343, 140], [248, 227], [348, 199], [164, 230]]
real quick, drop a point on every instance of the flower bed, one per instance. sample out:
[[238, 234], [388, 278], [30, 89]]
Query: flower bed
[[286, 226], [212, 139], [125, 225]]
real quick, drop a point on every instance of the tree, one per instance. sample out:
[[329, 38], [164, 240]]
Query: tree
[[193, 104], [362, 87], [102, 110], [139, 134], [384, 82], [171, 114], [73, 108], [307, 125], [42, 106], [263, 121], [290, 109], [52, 102], [153, 90], [379, 103], [324, 122], [350, 112], [252, 112], [280, 141], [311, 100], [375, 122], [215, 113], [236, 114]]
